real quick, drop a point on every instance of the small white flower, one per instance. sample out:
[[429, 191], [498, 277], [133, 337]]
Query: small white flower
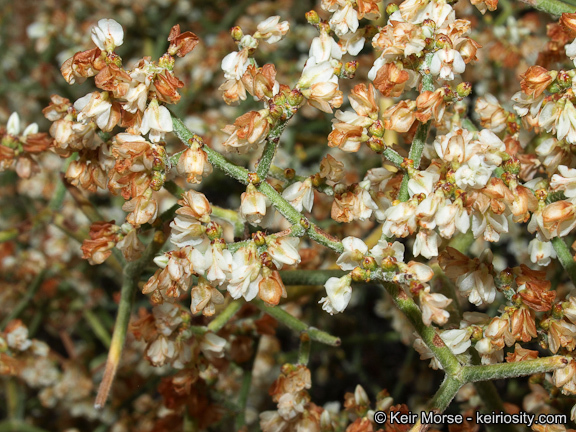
[[541, 253], [235, 64], [354, 251], [157, 121], [284, 250], [213, 345], [272, 30], [458, 340], [446, 62], [475, 173], [300, 195], [13, 126], [339, 292], [426, 244], [324, 48], [108, 35]]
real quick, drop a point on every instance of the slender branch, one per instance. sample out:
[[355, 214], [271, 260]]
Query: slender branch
[[270, 147], [300, 224], [305, 346], [215, 158], [441, 399], [309, 277], [224, 316], [297, 325], [492, 403], [433, 341], [96, 325], [565, 257], [9, 234], [419, 141], [393, 156], [22, 304], [131, 276], [553, 7], [228, 215], [18, 425], [57, 199], [513, 370]]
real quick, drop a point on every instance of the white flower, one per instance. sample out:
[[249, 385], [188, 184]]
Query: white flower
[[565, 181], [445, 62], [212, 345], [354, 251], [339, 292], [433, 305], [107, 35], [426, 244], [344, 20], [235, 64], [324, 48], [300, 195], [571, 49], [475, 173], [479, 284], [272, 30], [160, 350], [18, 338], [253, 205], [352, 43], [452, 217], [13, 126], [94, 106], [316, 72], [284, 251], [541, 253], [385, 249], [246, 273], [157, 121], [186, 231], [423, 181], [458, 340]]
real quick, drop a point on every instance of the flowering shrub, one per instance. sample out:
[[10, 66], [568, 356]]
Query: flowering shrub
[[278, 214]]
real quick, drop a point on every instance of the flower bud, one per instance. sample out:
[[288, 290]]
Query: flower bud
[[236, 33], [312, 17]]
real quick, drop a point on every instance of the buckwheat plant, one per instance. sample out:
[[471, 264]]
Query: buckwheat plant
[[272, 211]]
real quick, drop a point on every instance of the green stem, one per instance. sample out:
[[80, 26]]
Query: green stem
[[492, 403], [433, 341], [296, 325], [513, 370], [309, 277], [393, 157], [9, 234], [300, 224], [445, 394], [18, 426], [270, 147], [565, 257], [131, 275], [215, 158], [57, 199], [228, 215], [553, 7], [99, 330], [23, 304], [224, 316], [305, 346], [419, 141]]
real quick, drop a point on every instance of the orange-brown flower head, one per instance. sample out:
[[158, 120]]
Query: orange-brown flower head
[[181, 43]]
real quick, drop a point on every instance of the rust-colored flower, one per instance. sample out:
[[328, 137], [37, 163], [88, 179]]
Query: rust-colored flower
[[535, 81], [181, 43], [390, 80], [103, 237]]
